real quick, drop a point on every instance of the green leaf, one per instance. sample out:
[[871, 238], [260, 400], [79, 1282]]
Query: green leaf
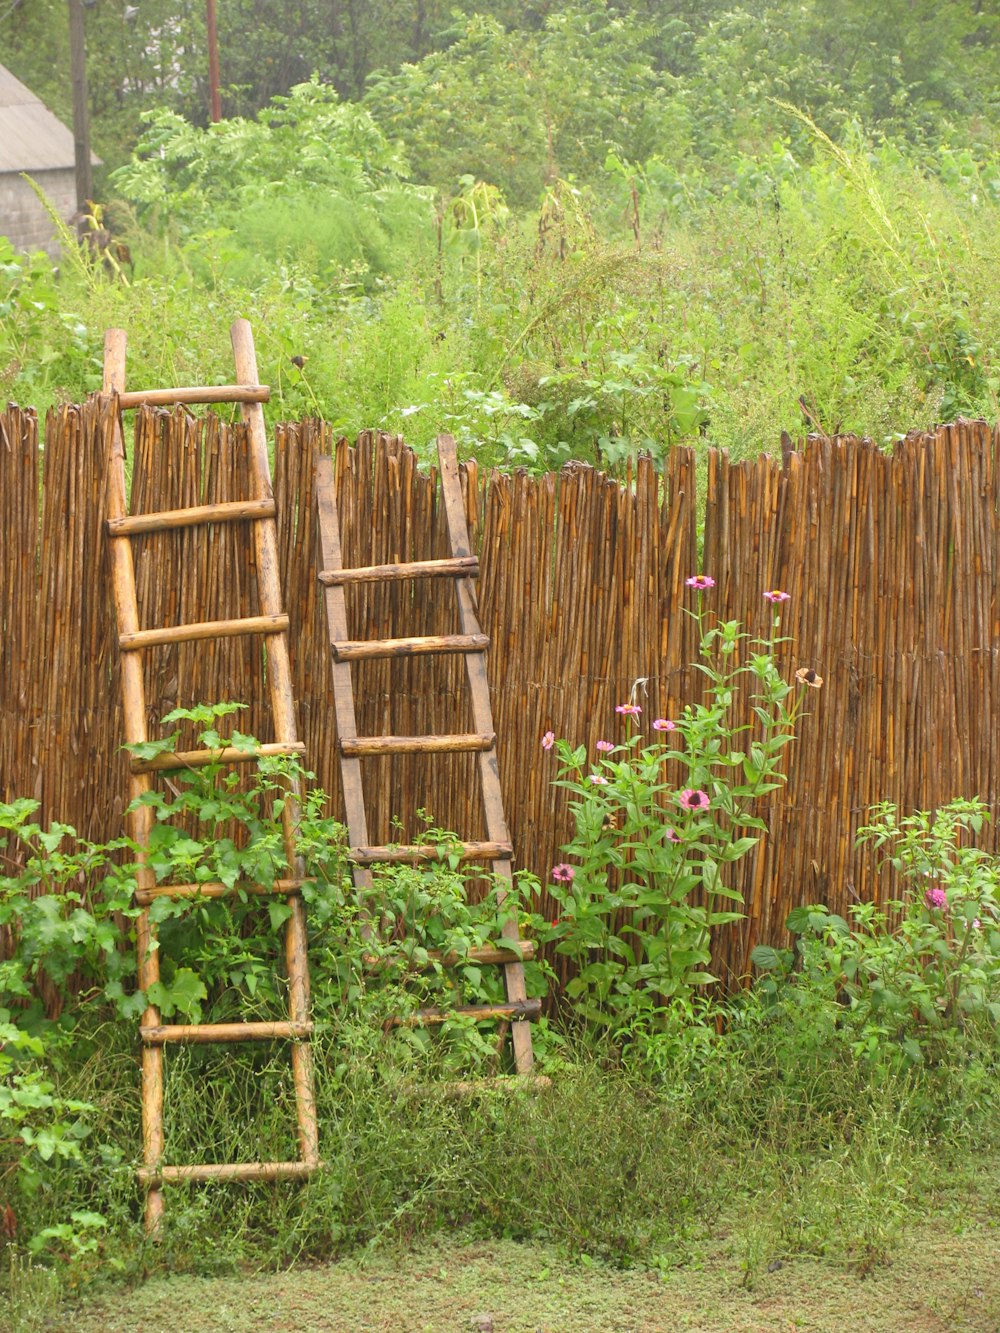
[[799, 920], [766, 958]]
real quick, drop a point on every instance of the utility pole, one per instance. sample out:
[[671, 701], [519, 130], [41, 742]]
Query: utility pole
[[213, 62], [81, 112]]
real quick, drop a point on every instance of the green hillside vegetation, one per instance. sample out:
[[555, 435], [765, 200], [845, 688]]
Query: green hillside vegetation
[[590, 231]]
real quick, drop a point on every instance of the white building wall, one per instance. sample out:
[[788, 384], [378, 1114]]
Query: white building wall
[[22, 217]]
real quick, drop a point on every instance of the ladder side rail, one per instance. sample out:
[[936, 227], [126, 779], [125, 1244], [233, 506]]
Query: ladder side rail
[[331, 558], [482, 721], [140, 818], [283, 709]]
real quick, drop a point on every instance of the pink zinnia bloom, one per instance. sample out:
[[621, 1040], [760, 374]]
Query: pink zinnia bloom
[[691, 799], [672, 835], [935, 900], [548, 740], [700, 581], [563, 873], [598, 780], [774, 595], [663, 724], [630, 710], [605, 745]]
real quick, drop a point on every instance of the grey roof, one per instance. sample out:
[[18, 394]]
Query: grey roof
[[31, 137]]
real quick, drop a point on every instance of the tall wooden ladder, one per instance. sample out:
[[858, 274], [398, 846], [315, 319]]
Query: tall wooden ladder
[[461, 567], [272, 625]]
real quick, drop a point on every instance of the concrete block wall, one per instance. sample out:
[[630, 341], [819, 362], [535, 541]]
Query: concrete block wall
[[22, 217]]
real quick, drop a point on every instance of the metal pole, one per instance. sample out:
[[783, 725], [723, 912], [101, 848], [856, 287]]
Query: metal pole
[[81, 115], [213, 61]]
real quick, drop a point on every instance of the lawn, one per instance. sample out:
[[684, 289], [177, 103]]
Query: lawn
[[942, 1278]]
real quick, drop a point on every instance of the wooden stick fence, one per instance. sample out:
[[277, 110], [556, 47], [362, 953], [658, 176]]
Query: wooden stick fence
[[892, 563]]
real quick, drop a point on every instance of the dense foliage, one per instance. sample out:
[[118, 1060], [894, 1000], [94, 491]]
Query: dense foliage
[[575, 230]]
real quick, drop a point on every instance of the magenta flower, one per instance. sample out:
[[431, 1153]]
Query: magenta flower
[[672, 835], [935, 900], [700, 581], [630, 710], [598, 780], [605, 745], [694, 800], [774, 595], [548, 740], [563, 873], [663, 724]]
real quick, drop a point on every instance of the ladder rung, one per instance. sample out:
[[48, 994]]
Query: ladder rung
[[480, 1012], [229, 512], [464, 566], [220, 1032], [201, 758], [206, 629], [358, 747], [281, 888], [355, 650], [480, 1086], [484, 954], [201, 393], [151, 1175], [466, 851]]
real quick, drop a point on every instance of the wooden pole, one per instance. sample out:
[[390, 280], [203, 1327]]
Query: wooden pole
[[282, 704], [140, 819], [213, 61], [81, 111]]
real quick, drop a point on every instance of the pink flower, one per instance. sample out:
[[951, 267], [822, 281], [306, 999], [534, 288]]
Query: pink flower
[[672, 835], [630, 710], [563, 873], [935, 900], [700, 581], [598, 780], [773, 595], [663, 724], [548, 740], [694, 800], [977, 924], [605, 745]]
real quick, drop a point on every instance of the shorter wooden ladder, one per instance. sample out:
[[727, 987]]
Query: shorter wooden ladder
[[272, 624], [461, 567]]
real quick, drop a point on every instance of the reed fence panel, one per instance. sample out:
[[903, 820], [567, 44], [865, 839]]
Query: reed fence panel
[[892, 562]]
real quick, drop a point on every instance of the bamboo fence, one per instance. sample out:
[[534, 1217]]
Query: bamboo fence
[[892, 562]]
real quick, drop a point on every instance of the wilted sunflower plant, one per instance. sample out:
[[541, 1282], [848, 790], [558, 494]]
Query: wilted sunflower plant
[[662, 814]]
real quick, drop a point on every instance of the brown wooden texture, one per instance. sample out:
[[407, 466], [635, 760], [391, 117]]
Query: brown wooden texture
[[413, 852], [228, 754], [519, 1009], [360, 650], [209, 1033], [212, 393], [362, 746], [892, 561], [426, 569], [235, 511]]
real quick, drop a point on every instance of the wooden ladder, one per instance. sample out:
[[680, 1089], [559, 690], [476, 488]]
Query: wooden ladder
[[272, 625], [461, 567]]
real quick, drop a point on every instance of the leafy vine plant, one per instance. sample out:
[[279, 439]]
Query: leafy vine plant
[[662, 814]]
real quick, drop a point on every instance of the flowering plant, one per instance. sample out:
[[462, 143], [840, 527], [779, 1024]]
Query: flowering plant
[[897, 982], [660, 817]]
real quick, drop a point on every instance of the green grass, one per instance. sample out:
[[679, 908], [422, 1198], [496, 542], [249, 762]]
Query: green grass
[[942, 1280], [762, 1185]]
